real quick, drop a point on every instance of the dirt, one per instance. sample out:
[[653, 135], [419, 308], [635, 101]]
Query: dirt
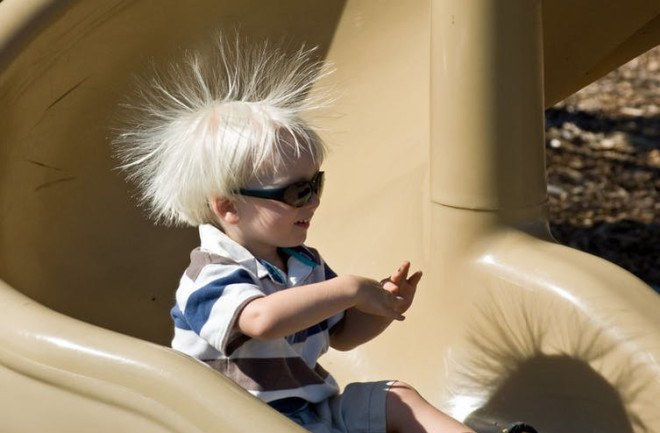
[[603, 166]]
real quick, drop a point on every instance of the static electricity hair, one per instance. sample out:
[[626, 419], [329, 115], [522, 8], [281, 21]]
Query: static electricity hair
[[209, 125]]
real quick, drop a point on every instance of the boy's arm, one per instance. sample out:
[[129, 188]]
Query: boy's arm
[[289, 311], [358, 327]]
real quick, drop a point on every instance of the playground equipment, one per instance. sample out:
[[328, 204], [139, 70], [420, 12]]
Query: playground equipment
[[507, 325]]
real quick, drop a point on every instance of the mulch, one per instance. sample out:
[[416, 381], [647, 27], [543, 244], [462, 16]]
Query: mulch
[[603, 168]]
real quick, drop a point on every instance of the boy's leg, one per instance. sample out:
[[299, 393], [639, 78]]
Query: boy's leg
[[408, 412]]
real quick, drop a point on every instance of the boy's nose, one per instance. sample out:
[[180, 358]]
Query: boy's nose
[[314, 201]]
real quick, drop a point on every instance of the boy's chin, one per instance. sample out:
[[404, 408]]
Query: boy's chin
[[295, 242]]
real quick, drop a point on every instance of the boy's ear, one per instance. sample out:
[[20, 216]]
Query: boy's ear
[[225, 210]]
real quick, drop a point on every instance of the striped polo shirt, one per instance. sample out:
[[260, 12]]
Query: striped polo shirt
[[222, 278]]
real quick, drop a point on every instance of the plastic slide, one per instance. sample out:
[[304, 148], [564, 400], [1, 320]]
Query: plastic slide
[[437, 158]]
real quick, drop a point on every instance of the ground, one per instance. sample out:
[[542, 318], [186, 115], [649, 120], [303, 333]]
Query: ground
[[603, 167]]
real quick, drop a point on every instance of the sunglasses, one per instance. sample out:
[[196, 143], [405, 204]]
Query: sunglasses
[[298, 194]]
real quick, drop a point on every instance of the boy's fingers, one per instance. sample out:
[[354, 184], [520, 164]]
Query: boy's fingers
[[399, 308], [414, 280], [391, 287], [401, 274]]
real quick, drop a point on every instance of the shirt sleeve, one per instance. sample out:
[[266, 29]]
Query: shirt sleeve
[[213, 302]]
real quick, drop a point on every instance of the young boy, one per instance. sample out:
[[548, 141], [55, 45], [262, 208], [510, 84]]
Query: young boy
[[223, 147]]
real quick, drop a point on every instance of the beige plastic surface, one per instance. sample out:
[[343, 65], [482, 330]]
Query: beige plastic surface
[[437, 158]]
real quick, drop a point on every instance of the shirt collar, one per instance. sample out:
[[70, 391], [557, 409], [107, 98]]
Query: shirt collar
[[301, 261]]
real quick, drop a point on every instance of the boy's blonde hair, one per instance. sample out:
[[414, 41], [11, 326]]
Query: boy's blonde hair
[[211, 124]]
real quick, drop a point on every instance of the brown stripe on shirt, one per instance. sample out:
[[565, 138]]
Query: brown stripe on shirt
[[270, 374], [199, 259]]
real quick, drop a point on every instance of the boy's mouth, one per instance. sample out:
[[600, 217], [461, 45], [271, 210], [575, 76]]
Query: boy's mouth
[[304, 222]]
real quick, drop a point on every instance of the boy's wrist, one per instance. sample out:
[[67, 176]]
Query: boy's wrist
[[349, 288]]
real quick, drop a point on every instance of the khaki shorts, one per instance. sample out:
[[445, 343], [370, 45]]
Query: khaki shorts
[[359, 409]]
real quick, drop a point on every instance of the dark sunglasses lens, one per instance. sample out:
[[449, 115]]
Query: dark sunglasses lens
[[298, 195], [318, 184], [301, 193]]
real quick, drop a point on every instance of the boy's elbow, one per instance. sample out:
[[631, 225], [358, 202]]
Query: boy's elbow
[[339, 340], [342, 346], [258, 331], [256, 324]]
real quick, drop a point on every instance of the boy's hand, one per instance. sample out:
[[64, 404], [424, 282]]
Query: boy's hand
[[371, 298], [399, 284], [375, 304]]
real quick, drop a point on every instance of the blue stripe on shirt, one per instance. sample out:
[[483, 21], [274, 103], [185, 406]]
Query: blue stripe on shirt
[[179, 319], [201, 301], [329, 273], [303, 335]]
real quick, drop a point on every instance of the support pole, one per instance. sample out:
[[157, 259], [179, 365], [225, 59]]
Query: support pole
[[487, 145]]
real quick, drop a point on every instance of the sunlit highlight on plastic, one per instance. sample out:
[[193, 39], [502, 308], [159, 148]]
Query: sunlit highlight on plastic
[[70, 345]]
